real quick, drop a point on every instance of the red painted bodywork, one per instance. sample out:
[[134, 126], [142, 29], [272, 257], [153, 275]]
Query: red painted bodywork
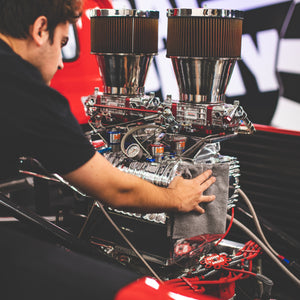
[[148, 289], [79, 78]]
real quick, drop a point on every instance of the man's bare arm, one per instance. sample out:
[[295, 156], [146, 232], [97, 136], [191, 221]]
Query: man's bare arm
[[99, 179]]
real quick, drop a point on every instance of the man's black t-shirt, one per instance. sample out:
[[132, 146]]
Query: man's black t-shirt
[[36, 121]]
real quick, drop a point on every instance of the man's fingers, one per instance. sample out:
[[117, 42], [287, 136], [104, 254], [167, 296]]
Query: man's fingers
[[203, 177], [205, 185], [207, 198], [204, 199], [199, 209]]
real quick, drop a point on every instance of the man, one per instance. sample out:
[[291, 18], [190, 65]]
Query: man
[[36, 121]]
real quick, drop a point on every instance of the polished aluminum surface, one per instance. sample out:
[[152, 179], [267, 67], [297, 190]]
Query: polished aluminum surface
[[124, 13], [202, 80], [163, 173], [204, 12], [123, 74]]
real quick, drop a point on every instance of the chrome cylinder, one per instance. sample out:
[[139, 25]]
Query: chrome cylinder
[[203, 45], [202, 80], [125, 41], [124, 74]]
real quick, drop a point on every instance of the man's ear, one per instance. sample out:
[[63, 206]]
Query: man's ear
[[38, 30]]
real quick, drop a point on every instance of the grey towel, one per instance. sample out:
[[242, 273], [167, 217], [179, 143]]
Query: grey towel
[[192, 224]]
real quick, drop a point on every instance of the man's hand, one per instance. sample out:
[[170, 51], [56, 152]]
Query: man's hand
[[189, 192], [99, 179]]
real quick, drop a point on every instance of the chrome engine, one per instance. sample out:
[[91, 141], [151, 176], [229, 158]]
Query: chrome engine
[[158, 139]]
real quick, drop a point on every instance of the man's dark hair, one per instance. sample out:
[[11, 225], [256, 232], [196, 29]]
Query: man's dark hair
[[17, 15]]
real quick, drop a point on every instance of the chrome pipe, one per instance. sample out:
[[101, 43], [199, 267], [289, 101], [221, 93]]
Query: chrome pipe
[[202, 80], [124, 74]]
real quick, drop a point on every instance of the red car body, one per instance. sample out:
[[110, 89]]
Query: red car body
[[148, 289]]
